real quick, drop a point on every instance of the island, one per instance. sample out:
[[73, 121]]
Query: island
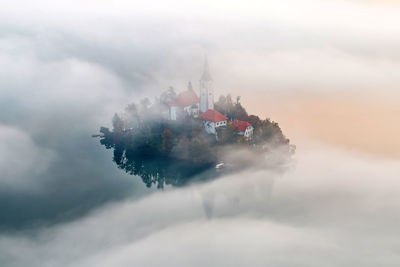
[[177, 138]]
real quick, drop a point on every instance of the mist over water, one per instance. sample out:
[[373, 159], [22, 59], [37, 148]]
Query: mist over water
[[67, 67], [331, 209]]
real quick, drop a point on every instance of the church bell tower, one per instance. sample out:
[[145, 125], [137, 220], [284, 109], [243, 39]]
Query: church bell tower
[[206, 89]]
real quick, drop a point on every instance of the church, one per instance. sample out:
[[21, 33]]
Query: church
[[187, 103]]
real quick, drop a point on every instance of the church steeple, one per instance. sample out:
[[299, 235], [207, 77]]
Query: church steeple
[[206, 72], [206, 89]]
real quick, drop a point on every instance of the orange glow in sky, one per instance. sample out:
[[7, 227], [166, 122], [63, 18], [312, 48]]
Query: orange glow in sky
[[355, 124]]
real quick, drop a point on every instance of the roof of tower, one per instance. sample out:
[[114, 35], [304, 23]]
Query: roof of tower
[[212, 115], [206, 72], [186, 98]]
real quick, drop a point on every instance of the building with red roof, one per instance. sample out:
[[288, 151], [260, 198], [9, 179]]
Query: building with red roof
[[243, 127], [213, 115], [185, 99], [212, 119], [186, 102]]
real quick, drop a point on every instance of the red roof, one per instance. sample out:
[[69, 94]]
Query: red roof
[[185, 99], [240, 125], [212, 115]]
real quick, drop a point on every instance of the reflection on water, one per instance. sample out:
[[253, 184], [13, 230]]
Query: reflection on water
[[161, 171]]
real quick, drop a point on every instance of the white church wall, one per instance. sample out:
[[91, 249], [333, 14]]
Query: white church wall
[[209, 127], [172, 112], [203, 98], [220, 123], [210, 99]]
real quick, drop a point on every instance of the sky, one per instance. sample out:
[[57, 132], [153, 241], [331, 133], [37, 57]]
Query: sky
[[326, 71]]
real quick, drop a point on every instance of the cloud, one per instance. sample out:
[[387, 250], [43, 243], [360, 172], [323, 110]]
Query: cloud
[[257, 46], [21, 159], [53, 89], [51, 102], [333, 208]]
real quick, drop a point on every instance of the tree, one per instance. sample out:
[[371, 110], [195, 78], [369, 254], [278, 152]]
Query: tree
[[229, 100], [132, 117], [118, 123], [239, 113], [226, 136], [201, 151], [269, 131], [221, 105], [107, 139], [118, 154], [181, 148], [222, 101], [167, 140], [256, 122], [145, 104], [167, 96], [131, 109], [237, 100]]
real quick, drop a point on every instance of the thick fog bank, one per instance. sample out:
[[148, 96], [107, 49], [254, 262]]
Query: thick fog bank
[[332, 208]]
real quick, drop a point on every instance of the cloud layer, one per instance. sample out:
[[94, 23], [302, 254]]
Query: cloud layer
[[330, 210]]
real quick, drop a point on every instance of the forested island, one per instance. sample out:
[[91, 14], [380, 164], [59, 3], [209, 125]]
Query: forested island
[[165, 148]]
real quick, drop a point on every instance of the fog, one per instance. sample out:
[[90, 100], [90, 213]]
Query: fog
[[326, 71], [331, 209]]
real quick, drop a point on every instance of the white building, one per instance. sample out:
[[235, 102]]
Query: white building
[[212, 119], [243, 127], [206, 90]]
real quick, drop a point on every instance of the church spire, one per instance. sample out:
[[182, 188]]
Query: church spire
[[206, 89], [206, 73]]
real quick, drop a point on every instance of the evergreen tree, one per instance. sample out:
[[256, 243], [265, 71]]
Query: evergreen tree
[[167, 140], [118, 123]]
